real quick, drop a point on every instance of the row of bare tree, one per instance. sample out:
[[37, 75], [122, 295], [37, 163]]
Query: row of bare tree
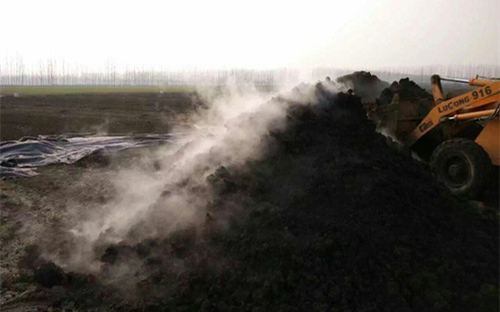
[[14, 71], [139, 77]]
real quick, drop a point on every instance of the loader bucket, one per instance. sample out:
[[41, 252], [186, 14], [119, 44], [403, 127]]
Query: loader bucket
[[399, 117]]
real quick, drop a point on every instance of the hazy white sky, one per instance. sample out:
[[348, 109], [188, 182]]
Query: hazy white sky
[[253, 34]]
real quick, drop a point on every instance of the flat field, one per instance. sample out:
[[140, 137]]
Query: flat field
[[48, 110], [54, 90]]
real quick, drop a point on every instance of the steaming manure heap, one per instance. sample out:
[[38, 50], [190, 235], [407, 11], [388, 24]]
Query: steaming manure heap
[[330, 219], [364, 84]]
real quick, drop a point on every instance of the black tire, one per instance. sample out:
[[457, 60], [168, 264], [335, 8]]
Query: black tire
[[463, 166]]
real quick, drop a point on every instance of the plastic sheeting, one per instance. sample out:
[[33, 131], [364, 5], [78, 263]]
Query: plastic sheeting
[[20, 158]]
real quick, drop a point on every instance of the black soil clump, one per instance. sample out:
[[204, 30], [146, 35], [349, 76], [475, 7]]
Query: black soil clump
[[331, 219], [407, 90], [410, 90], [364, 85]]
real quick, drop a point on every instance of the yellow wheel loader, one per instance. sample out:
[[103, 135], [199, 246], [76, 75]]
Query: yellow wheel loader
[[459, 136]]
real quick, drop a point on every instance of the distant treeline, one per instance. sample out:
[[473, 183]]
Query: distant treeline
[[142, 77], [53, 72]]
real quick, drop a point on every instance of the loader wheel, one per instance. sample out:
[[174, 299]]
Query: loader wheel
[[463, 166]]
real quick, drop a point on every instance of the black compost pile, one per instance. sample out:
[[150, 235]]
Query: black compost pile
[[331, 219], [407, 90], [364, 85]]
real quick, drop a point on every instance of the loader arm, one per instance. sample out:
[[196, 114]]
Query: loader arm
[[487, 93]]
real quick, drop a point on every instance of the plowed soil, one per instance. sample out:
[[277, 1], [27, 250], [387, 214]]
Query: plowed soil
[[106, 113]]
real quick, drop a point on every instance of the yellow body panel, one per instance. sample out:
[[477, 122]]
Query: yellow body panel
[[487, 94], [489, 139]]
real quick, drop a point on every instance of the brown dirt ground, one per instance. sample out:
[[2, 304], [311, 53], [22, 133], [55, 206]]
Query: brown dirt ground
[[110, 113], [39, 202]]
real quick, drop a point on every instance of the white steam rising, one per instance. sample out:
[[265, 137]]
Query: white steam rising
[[153, 202]]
